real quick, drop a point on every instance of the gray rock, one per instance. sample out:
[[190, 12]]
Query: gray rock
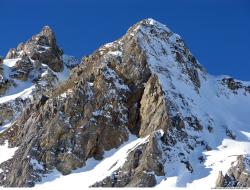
[[220, 180], [41, 47], [143, 163], [12, 54], [153, 112], [237, 175], [1, 60]]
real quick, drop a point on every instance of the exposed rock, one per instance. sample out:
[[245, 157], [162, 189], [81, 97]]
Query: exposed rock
[[229, 133], [43, 100], [237, 176], [22, 69], [220, 180], [143, 163], [76, 112], [231, 83], [194, 123], [235, 85], [153, 110], [12, 54], [1, 60], [42, 48], [6, 114], [5, 84]]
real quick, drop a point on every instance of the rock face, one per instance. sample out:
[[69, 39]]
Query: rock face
[[153, 111], [147, 84], [238, 175], [40, 48], [143, 163], [235, 85]]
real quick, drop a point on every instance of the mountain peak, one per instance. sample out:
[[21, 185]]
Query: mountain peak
[[41, 47], [149, 23], [47, 28], [145, 94], [152, 22], [165, 50], [49, 34]]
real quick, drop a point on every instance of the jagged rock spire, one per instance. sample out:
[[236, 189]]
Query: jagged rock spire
[[42, 48]]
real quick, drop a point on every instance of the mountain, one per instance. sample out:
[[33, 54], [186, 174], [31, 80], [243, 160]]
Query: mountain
[[138, 112]]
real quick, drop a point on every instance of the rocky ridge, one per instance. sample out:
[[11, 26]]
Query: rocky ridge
[[25, 78]]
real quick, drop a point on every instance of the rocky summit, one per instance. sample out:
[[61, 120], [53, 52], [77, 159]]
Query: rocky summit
[[138, 112]]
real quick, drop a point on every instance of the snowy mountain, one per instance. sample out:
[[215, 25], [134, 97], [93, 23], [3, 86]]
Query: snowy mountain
[[139, 112]]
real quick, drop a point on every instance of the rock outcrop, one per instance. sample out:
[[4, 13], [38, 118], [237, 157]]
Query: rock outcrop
[[40, 48], [235, 85], [238, 174], [143, 163], [22, 73]]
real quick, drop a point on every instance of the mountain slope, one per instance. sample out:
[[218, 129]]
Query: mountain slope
[[140, 111]]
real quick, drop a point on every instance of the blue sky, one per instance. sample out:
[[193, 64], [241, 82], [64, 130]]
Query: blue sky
[[216, 31]]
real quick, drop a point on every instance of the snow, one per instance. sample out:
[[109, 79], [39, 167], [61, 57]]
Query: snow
[[108, 45], [115, 53], [70, 61], [219, 159], [97, 113], [36, 165], [158, 24], [7, 65], [119, 84], [44, 73], [6, 126], [10, 62], [63, 75], [23, 94], [90, 83], [6, 153], [94, 170], [45, 47]]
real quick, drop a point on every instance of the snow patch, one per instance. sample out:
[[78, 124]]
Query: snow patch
[[36, 165], [10, 62], [26, 93], [6, 153]]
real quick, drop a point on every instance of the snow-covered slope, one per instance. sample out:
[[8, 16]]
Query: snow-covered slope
[[222, 112], [189, 125]]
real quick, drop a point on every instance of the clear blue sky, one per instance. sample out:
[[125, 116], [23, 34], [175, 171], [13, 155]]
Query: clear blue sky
[[216, 31]]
